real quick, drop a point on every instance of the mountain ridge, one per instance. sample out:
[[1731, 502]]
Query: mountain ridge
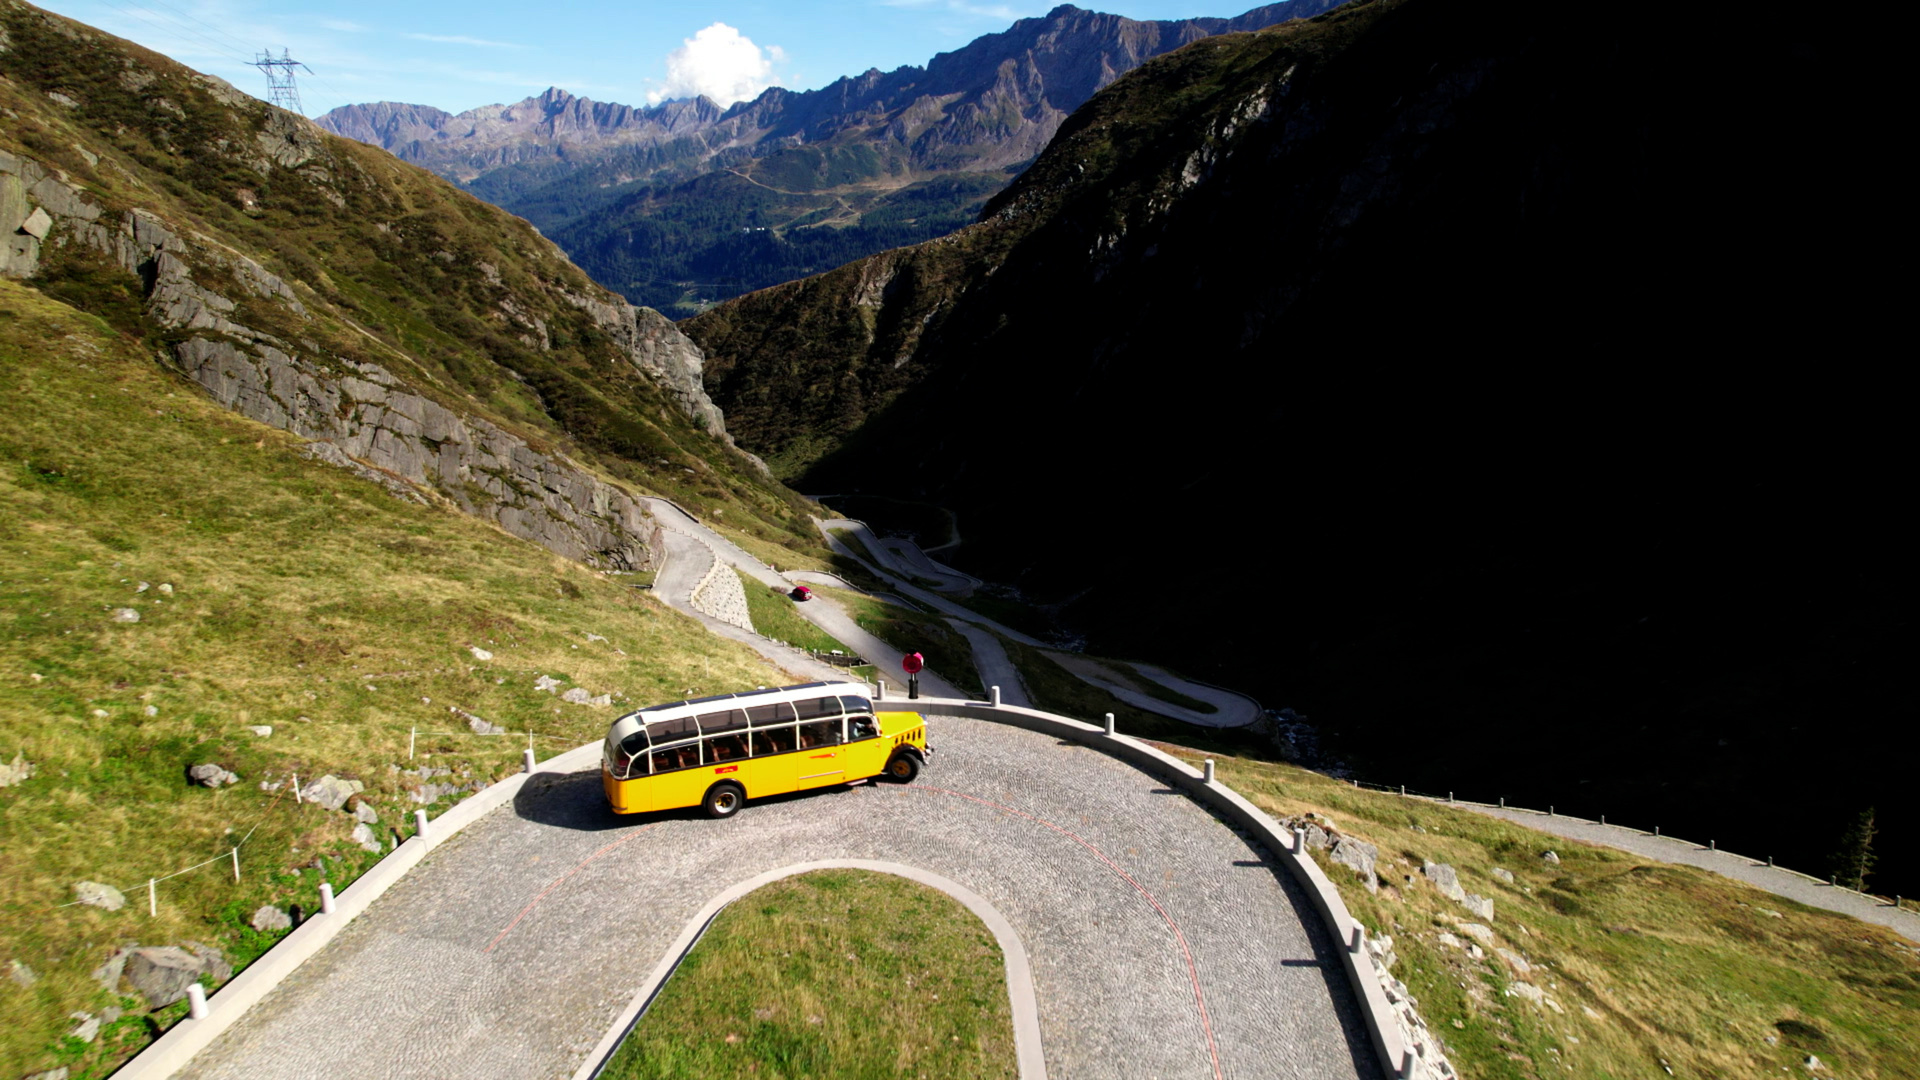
[[678, 204]]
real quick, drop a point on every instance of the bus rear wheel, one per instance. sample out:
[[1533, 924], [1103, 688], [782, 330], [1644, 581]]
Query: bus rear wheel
[[724, 800], [903, 768]]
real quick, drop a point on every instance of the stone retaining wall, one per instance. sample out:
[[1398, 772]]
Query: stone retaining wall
[[721, 596]]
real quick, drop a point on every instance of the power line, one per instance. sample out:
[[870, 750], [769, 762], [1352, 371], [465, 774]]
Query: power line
[[280, 82]]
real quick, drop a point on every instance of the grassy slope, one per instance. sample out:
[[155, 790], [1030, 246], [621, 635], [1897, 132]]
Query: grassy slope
[[1649, 962], [838, 973], [774, 617], [946, 649], [297, 587], [405, 270]]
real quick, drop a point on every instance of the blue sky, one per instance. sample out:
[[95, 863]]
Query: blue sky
[[460, 55]]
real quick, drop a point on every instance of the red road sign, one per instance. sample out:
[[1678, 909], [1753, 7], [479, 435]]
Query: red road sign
[[912, 663]]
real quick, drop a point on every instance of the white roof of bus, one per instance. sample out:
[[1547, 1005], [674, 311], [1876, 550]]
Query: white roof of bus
[[674, 710]]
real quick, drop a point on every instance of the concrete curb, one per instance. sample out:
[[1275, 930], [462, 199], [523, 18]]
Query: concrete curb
[[1347, 934], [1025, 1007], [171, 1052]]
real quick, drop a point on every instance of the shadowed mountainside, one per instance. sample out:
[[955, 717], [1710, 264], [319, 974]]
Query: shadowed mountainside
[[1477, 339]]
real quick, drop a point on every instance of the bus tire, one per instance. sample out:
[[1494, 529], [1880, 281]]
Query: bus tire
[[724, 800], [903, 768]]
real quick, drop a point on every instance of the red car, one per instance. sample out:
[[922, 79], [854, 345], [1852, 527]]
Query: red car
[[801, 593]]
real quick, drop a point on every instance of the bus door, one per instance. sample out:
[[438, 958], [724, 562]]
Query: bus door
[[822, 755]]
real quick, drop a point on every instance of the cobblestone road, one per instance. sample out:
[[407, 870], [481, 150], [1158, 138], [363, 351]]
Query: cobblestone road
[[1162, 946]]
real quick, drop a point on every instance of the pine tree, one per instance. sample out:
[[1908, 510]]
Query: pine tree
[[1853, 862]]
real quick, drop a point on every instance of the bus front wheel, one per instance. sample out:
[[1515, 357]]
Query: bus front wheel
[[903, 768], [724, 800]]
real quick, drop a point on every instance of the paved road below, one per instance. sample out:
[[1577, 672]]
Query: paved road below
[[1778, 881], [995, 666], [510, 950]]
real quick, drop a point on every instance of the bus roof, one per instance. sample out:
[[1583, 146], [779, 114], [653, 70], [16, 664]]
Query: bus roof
[[673, 710]]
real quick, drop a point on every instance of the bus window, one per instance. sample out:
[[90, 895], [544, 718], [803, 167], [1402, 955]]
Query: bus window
[[717, 722], [817, 708], [819, 733], [666, 760], [667, 731], [772, 741], [857, 704], [861, 727], [727, 747], [768, 715]]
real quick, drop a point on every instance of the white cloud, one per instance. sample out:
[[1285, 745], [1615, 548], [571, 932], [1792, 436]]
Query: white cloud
[[719, 62], [461, 39]]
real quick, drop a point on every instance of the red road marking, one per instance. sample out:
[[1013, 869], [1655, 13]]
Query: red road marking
[[1193, 972], [555, 883]]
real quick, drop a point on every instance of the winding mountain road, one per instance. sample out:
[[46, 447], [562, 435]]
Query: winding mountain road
[[1162, 944], [1230, 709]]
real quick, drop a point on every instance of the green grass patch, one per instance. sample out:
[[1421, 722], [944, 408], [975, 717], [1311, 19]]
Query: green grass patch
[[774, 616], [301, 598], [838, 973], [947, 650], [1646, 961]]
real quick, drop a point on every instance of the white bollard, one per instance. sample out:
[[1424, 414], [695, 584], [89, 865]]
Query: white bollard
[[1656, 830], [1110, 728], [153, 900], [326, 898], [236, 866], [420, 823], [1406, 1065], [527, 758], [1603, 819], [1207, 773], [1353, 946], [993, 696], [196, 1001], [879, 690], [1299, 841]]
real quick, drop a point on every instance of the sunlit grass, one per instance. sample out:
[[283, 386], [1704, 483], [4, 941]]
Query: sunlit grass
[[1645, 962], [833, 974], [302, 599]]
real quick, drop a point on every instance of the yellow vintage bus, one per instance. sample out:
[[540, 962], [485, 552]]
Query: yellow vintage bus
[[717, 752]]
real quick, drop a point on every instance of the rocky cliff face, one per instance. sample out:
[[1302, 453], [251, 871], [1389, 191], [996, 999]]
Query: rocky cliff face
[[429, 342]]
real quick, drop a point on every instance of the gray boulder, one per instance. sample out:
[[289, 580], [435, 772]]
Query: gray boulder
[[51, 1074], [89, 1027], [1479, 933], [364, 813], [19, 772], [1446, 879], [94, 894], [37, 224], [125, 614], [21, 974], [270, 919], [368, 840], [1503, 875], [1360, 856], [1552, 857], [1479, 905], [331, 791], [212, 776], [162, 975], [1515, 961], [1528, 991]]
